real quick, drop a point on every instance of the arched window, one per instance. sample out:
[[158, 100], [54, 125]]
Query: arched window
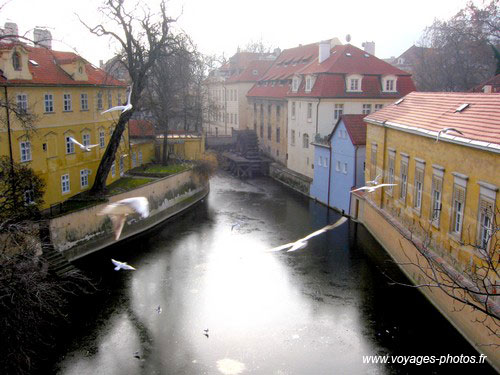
[[16, 61], [305, 141]]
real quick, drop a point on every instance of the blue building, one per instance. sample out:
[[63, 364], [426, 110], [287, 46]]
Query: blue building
[[340, 162]]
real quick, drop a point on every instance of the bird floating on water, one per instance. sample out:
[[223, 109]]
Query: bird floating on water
[[84, 148], [371, 189], [122, 108], [301, 243], [158, 309], [446, 130], [122, 265], [119, 211]]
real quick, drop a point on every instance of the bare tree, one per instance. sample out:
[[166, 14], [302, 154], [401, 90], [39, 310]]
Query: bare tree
[[459, 53], [142, 41]]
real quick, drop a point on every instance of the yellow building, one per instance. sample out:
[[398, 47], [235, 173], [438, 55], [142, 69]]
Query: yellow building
[[66, 95], [445, 203]]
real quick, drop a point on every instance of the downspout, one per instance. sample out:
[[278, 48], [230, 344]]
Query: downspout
[[329, 172], [355, 174], [8, 128]]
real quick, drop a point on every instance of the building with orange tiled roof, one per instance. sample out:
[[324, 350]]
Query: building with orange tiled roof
[[67, 95], [446, 200], [491, 85], [227, 87]]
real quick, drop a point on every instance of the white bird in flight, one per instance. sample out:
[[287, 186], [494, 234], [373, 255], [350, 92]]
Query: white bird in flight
[[371, 189], [301, 243], [446, 130], [84, 148], [122, 265], [119, 211], [122, 108], [375, 181]]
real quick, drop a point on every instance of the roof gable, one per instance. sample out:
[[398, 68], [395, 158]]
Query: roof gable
[[355, 126]]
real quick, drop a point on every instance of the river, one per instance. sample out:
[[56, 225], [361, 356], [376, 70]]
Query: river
[[318, 310]]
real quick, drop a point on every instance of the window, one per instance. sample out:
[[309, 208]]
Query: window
[[378, 106], [134, 160], [389, 85], [255, 116], [437, 193], [86, 139], [66, 102], [84, 102], [113, 169], [403, 186], [308, 83], [101, 139], [320, 161], [231, 119], [419, 185], [354, 84], [367, 109], [16, 61], [292, 137], [25, 151], [99, 100], [22, 103], [261, 130], [70, 146], [345, 168], [373, 162], [325, 162], [110, 99], [49, 103], [121, 166], [293, 110], [485, 221], [119, 101], [29, 197], [338, 111], [309, 111], [295, 84], [392, 163], [269, 131], [278, 114], [236, 118], [458, 209], [337, 166], [84, 178], [278, 135], [65, 188], [305, 141], [140, 157]]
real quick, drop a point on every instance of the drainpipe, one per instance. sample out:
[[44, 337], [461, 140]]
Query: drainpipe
[[355, 174], [8, 128], [329, 172]]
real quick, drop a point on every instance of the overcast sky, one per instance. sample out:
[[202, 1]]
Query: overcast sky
[[220, 26]]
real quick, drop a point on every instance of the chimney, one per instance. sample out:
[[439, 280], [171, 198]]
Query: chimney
[[11, 29], [101, 64], [487, 89], [369, 47], [324, 50], [42, 37]]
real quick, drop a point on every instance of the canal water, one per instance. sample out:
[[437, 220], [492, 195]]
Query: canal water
[[208, 298]]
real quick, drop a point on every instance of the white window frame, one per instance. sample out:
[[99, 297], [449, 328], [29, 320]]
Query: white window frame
[[338, 110], [134, 159], [99, 100], [292, 137], [378, 107], [65, 184], [403, 173], [344, 170], [84, 102], [354, 82], [337, 166], [140, 157], [367, 109], [67, 104], [295, 84], [25, 148], [121, 166], [389, 83], [84, 178], [102, 138], [48, 101], [305, 140], [309, 112], [419, 187], [70, 146], [293, 110], [22, 103], [29, 197], [486, 220], [309, 81], [391, 169], [458, 207]]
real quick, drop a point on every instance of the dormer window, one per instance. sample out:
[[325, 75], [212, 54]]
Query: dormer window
[[389, 84], [353, 83], [309, 83], [16, 61], [295, 84]]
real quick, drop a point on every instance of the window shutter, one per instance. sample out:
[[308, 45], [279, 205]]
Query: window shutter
[[486, 207], [459, 194]]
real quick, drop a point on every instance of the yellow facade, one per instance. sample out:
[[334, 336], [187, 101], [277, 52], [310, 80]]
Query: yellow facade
[[477, 169], [48, 155]]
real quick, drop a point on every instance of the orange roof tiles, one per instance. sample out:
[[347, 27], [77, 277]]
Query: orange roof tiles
[[48, 72], [356, 128], [141, 128], [253, 72], [428, 112]]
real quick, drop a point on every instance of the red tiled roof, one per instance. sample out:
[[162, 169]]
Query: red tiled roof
[[288, 63], [429, 112], [260, 67], [494, 82], [356, 128], [348, 59], [49, 72], [141, 128]]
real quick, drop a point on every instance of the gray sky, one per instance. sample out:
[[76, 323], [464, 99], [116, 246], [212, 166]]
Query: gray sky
[[220, 26]]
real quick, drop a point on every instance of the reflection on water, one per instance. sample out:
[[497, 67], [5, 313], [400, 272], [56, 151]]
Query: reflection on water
[[314, 311]]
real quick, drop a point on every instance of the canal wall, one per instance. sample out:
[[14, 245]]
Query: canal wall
[[472, 324], [296, 181], [82, 232]]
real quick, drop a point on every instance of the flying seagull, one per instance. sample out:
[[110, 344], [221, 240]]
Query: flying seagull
[[121, 265], [122, 108], [235, 225], [84, 148], [374, 182], [119, 211], [158, 309], [446, 130], [371, 189], [301, 243]]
